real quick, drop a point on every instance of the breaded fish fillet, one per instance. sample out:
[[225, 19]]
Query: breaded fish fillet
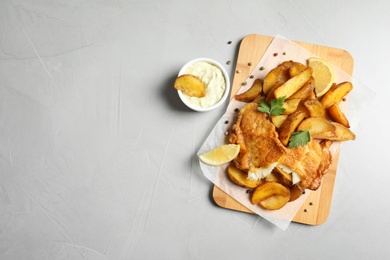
[[310, 162], [258, 140], [260, 148]]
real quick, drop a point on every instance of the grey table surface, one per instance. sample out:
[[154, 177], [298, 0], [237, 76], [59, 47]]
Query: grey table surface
[[98, 154]]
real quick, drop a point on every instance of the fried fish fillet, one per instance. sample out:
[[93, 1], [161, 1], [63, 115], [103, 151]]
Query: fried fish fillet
[[310, 162], [261, 150], [259, 143]]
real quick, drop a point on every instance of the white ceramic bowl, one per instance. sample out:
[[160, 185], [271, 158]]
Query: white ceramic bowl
[[225, 94]]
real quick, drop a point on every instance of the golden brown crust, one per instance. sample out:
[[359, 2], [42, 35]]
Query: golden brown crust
[[310, 162], [258, 139], [260, 146]]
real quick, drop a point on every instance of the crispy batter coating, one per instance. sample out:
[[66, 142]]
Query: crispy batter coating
[[311, 162], [258, 139], [260, 147]]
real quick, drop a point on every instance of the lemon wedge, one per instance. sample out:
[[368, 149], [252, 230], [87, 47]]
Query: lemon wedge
[[323, 74], [220, 155]]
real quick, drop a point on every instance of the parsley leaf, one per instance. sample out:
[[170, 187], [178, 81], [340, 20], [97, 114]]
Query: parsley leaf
[[275, 108], [299, 138], [264, 107]]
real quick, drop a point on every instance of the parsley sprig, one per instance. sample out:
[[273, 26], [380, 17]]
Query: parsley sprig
[[299, 138], [275, 108]]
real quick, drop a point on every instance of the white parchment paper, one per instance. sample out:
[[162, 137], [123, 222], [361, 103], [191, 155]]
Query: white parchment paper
[[286, 50]]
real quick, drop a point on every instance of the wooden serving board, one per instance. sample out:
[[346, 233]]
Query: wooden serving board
[[315, 210]]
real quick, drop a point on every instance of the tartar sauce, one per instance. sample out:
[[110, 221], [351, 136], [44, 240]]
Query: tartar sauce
[[214, 80]]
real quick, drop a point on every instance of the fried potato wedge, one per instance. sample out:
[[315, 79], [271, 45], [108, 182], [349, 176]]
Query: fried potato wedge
[[270, 96], [275, 202], [191, 85], [336, 93], [286, 65], [337, 115], [312, 95], [315, 107], [292, 85], [296, 68], [341, 133], [270, 195], [306, 91], [295, 192], [280, 74], [301, 107], [241, 178], [283, 177], [252, 93], [278, 120], [259, 98], [289, 126], [270, 79], [290, 105], [316, 125], [284, 74], [271, 177]]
